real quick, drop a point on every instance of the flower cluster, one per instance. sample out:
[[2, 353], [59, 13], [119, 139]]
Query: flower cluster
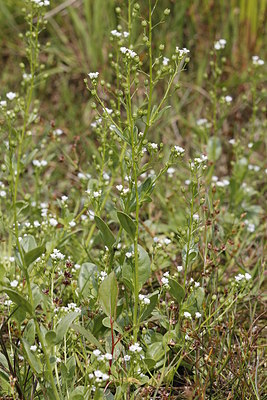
[[57, 255], [41, 3], [220, 44], [241, 277], [128, 52], [144, 299], [257, 61], [118, 34], [39, 164]]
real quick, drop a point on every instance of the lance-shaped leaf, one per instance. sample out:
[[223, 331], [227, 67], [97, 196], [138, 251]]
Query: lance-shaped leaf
[[18, 299], [108, 295], [127, 223], [106, 233]]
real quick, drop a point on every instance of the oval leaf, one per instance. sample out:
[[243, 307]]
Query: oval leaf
[[107, 235], [108, 295], [127, 223]]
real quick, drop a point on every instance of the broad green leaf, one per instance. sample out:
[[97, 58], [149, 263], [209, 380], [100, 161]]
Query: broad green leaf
[[28, 243], [34, 361], [127, 223], [199, 296], [2, 272], [214, 148], [29, 332], [18, 299], [64, 325], [107, 324], [143, 268], [148, 310], [108, 295], [51, 338], [107, 235], [155, 351], [87, 275], [78, 393], [176, 290], [88, 335], [33, 254]]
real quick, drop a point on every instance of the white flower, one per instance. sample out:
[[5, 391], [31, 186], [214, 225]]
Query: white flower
[[11, 95], [128, 52], [108, 356], [182, 52], [178, 150], [257, 61], [103, 274], [33, 348], [228, 99], [58, 132], [115, 33], [170, 171], [167, 241], [72, 223], [232, 141], [57, 255], [93, 75], [64, 198], [187, 315], [198, 315], [144, 299], [108, 110], [247, 276], [129, 254], [53, 222], [127, 358], [179, 268], [97, 194], [36, 224], [196, 217], [2, 193], [96, 353], [165, 281], [3, 103], [197, 284], [154, 146], [220, 44], [14, 283], [119, 187], [135, 348], [165, 61]]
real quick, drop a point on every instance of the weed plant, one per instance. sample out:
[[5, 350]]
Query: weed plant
[[139, 275]]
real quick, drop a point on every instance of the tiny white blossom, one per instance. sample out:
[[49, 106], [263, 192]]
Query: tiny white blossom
[[228, 99], [96, 353], [187, 315], [72, 223], [93, 75], [198, 315], [165, 61], [14, 283], [11, 95], [53, 222], [33, 348]]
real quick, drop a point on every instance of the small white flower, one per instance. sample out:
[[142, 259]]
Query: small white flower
[[93, 75], [11, 95], [97, 194], [247, 276], [72, 223], [167, 241], [165, 61], [96, 353], [135, 348], [179, 268], [108, 356], [3, 103], [187, 315], [2, 193], [179, 150], [14, 283], [170, 171], [197, 284], [53, 222], [196, 217], [58, 132], [198, 315], [33, 348], [127, 357], [228, 99], [64, 198], [232, 141], [115, 33], [154, 146], [257, 61]]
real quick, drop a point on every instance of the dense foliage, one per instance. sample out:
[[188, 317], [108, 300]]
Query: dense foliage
[[132, 202]]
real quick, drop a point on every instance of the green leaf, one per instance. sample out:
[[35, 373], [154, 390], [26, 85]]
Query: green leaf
[[107, 324], [86, 276], [214, 148], [29, 332], [51, 338], [88, 335], [107, 235], [199, 296], [127, 223], [143, 268], [120, 134], [64, 325], [176, 290], [28, 243], [148, 310], [2, 272], [155, 351], [108, 295], [18, 299], [34, 361], [33, 254]]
